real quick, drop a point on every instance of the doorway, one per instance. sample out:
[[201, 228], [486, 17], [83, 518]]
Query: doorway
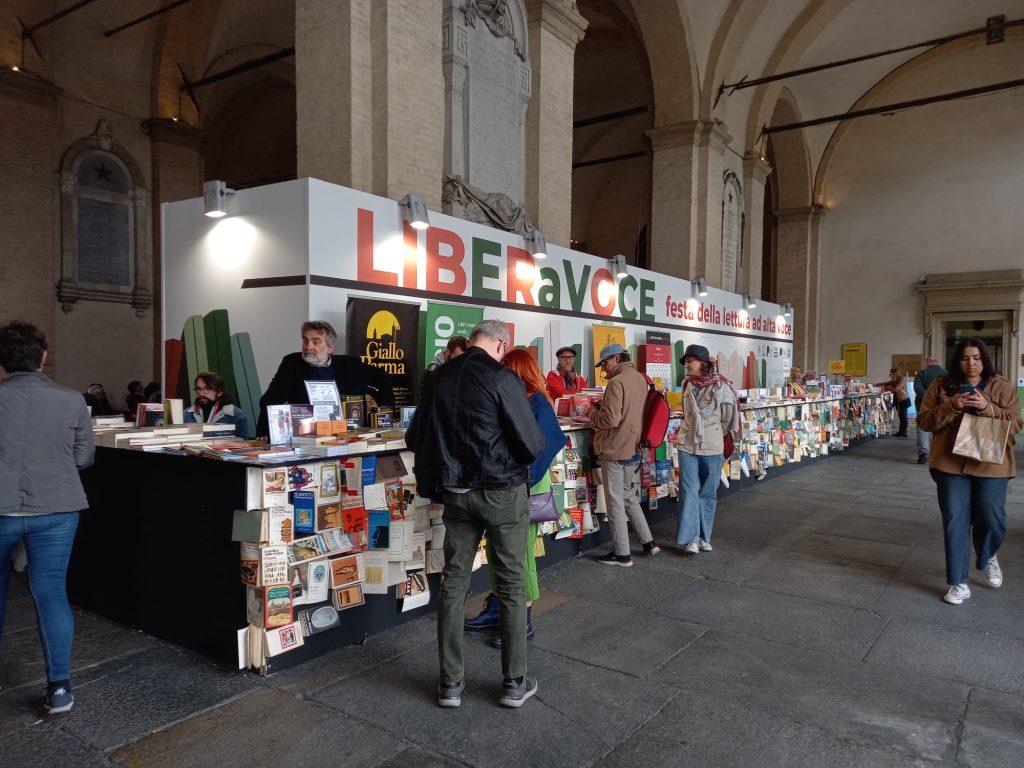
[[990, 327]]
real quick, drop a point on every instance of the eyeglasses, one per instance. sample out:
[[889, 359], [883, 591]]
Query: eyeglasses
[[567, 357], [204, 389]]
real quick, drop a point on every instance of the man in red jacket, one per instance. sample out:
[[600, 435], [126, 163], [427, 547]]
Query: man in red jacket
[[564, 380]]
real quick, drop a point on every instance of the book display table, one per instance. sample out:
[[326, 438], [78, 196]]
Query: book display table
[[162, 548]]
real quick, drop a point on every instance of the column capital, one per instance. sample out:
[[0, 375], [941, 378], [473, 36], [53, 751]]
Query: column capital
[[804, 213], [559, 17], [755, 168], [674, 135], [713, 133]]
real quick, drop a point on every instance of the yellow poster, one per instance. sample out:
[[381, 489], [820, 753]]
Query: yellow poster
[[604, 335]]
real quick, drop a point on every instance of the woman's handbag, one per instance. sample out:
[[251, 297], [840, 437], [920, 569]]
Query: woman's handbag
[[982, 439], [543, 508]]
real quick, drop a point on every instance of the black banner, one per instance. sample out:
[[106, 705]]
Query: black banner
[[385, 334]]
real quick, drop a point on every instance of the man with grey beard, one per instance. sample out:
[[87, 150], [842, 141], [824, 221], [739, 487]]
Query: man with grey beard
[[317, 362]]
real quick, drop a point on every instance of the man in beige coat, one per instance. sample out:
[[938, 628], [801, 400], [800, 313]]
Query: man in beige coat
[[617, 425]]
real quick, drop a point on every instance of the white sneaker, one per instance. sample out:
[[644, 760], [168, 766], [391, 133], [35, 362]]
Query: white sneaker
[[993, 572], [691, 549], [957, 594], [703, 546]]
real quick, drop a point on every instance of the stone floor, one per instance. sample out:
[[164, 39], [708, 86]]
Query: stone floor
[[814, 635]]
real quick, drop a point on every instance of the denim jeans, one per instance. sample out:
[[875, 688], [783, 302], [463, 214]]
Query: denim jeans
[[622, 502], [924, 442], [972, 508], [505, 516], [48, 540], [698, 487]]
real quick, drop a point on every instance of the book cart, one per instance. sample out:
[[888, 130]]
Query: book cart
[[179, 547]]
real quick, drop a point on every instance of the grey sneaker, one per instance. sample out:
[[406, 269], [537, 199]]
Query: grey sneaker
[[957, 594], [703, 546], [513, 695], [692, 548], [450, 694], [58, 699], [993, 572]]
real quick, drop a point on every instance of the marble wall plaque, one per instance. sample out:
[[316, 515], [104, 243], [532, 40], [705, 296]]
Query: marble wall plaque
[[732, 231], [103, 244]]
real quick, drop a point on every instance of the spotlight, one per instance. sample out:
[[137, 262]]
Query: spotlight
[[617, 265], [787, 308], [698, 287], [536, 244], [414, 210], [215, 193], [748, 301]]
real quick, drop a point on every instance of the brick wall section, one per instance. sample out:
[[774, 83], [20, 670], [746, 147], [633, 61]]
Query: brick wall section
[[28, 202]]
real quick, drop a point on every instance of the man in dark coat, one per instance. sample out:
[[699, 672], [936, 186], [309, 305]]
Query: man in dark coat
[[316, 362]]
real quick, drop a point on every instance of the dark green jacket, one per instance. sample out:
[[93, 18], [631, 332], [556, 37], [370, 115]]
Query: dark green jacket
[[923, 380]]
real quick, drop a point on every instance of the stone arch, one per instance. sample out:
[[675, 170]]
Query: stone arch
[[665, 32], [792, 160]]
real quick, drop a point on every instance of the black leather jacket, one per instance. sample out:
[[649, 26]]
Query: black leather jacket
[[474, 428]]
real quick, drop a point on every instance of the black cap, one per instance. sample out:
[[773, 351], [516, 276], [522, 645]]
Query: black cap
[[697, 351], [560, 350]]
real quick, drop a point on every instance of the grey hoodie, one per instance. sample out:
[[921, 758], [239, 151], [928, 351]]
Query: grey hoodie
[[45, 438]]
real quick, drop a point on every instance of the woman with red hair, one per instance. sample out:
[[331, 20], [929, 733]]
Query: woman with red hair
[[522, 364]]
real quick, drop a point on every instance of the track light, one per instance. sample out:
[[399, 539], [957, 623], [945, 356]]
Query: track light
[[536, 244], [215, 193], [414, 210], [617, 265], [698, 287], [748, 301], [787, 308]]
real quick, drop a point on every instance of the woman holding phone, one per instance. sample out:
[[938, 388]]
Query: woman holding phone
[[972, 494]]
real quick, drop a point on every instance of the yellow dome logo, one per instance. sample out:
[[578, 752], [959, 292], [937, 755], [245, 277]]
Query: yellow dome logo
[[382, 324]]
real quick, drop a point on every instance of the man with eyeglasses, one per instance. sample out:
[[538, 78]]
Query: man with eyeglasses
[[214, 406], [564, 380], [474, 436]]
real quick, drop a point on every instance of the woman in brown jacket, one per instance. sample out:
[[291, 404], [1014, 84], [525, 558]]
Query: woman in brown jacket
[[972, 494]]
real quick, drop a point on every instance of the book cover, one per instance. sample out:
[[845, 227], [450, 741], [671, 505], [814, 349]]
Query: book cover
[[303, 422], [369, 471], [354, 516], [346, 570], [174, 411], [328, 515], [352, 474], [269, 606], [308, 548], [330, 486], [317, 580], [348, 597], [379, 523], [408, 411], [275, 481], [563, 406], [336, 541], [418, 560], [279, 418], [301, 476], [395, 499], [282, 639], [400, 540], [304, 503], [280, 525], [273, 565], [354, 412], [250, 557], [316, 620]]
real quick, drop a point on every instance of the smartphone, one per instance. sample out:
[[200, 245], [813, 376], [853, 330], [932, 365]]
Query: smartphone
[[966, 389]]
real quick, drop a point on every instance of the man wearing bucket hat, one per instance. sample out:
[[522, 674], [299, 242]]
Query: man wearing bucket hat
[[709, 415], [617, 425], [564, 380]]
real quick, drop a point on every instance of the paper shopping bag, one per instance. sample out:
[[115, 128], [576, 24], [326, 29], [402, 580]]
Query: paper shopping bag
[[982, 439]]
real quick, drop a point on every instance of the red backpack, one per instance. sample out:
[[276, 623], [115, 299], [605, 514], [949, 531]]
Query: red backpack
[[655, 419]]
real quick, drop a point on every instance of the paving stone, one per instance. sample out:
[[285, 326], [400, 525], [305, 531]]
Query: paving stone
[[578, 714], [642, 585], [417, 758], [263, 728], [610, 636], [702, 730], [20, 612], [842, 582], [351, 660], [993, 730], [733, 560], [912, 714], [882, 526], [974, 657], [127, 697], [795, 621], [95, 640], [44, 745], [831, 547]]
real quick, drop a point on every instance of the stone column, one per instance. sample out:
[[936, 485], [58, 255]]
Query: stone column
[[177, 171], [28, 221], [555, 28], [799, 277], [755, 172], [370, 95], [712, 140], [673, 198]]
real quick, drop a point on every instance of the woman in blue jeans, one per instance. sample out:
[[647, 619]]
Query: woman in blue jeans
[[972, 494], [709, 415], [45, 438]]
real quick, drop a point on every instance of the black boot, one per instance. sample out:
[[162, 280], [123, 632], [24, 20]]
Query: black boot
[[487, 618], [495, 641]]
